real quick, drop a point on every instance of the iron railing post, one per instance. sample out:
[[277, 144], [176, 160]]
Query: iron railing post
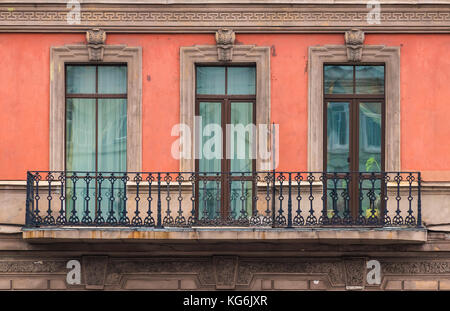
[[273, 200], [289, 220], [419, 201], [158, 213], [27, 203], [324, 199]]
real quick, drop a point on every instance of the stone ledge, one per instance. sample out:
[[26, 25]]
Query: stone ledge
[[316, 235], [10, 229]]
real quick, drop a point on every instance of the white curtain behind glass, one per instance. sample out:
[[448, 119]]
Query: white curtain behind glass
[[84, 119]]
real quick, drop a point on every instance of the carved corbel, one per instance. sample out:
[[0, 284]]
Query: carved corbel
[[355, 273], [225, 41], [94, 268], [225, 268], [354, 41], [96, 41]]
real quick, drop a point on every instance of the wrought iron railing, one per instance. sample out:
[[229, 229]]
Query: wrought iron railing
[[255, 199]]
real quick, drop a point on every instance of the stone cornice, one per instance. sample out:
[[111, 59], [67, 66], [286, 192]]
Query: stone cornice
[[131, 17]]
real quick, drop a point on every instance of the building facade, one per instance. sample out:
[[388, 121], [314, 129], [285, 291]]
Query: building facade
[[240, 145]]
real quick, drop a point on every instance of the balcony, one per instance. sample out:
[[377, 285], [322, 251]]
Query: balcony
[[257, 205]]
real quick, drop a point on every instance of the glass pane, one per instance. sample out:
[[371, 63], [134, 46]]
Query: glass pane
[[211, 138], [370, 137], [241, 80], [241, 137], [80, 197], [112, 79], [241, 199], [112, 154], [338, 197], [80, 134], [112, 135], [210, 80], [209, 199], [369, 79], [370, 198], [80, 155], [111, 196], [80, 79], [337, 136], [338, 79]]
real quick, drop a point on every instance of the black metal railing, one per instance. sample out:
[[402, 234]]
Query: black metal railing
[[176, 199]]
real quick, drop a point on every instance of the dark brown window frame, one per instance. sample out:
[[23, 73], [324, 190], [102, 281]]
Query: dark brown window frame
[[353, 100], [95, 96], [225, 100]]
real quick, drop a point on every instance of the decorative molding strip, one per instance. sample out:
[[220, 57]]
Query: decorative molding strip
[[203, 2], [213, 272], [242, 18]]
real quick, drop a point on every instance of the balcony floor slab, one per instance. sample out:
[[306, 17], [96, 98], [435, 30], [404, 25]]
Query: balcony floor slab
[[386, 235]]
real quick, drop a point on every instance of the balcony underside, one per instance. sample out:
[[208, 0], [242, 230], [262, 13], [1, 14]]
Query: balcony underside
[[386, 235]]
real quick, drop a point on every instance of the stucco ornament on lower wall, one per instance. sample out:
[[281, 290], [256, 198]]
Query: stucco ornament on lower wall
[[354, 41], [225, 40], [225, 272], [96, 39]]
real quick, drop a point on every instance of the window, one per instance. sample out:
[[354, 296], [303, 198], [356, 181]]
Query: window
[[318, 57], [96, 134], [193, 56], [338, 119], [62, 56], [226, 101], [354, 132]]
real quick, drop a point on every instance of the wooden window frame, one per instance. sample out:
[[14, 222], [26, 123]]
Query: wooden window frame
[[225, 100], [95, 96], [354, 100], [112, 54], [207, 55], [390, 56]]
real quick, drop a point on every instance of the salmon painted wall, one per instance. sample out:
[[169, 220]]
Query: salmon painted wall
[[24, 96]]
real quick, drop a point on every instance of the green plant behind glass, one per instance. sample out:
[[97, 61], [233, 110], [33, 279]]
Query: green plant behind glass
[[370, 163]]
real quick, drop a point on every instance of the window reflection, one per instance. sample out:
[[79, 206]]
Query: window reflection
[[369, 79], [354, 79], [338, 79], [337, 136]]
